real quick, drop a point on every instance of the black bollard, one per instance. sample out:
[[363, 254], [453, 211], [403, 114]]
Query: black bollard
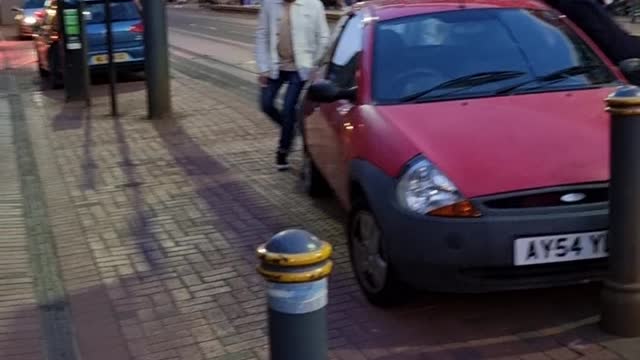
[[296, 265], [621, 292]]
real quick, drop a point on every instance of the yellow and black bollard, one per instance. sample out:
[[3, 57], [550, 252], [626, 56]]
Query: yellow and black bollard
[[296, 265], [621, 292]]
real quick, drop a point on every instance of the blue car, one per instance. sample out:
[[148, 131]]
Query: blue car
[[128, 38]]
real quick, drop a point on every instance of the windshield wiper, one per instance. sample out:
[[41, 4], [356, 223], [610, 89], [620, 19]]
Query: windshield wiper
[[465, 82], [551, 78]]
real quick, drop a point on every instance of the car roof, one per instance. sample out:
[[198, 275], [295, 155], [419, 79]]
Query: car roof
[[391, 9]]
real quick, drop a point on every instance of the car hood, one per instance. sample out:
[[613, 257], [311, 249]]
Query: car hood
[[496, 145]]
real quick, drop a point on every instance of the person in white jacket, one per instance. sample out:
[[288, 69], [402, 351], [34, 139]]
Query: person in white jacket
[[291, 38]]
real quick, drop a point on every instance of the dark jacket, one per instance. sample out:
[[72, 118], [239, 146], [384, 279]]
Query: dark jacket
[[595, 21]]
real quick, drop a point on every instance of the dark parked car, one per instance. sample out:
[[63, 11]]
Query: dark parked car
[[127, 31]]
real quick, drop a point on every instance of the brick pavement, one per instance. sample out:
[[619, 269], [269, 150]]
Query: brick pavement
[[155, 225], [17, 299]]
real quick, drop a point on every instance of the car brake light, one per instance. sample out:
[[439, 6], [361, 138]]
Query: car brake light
[[39, 14], [461, 209], [137, 28]]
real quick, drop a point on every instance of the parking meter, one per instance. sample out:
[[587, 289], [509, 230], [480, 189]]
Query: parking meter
[[76, 68]]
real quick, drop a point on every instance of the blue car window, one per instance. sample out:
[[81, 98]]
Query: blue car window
[[33, 4], [120, 11]]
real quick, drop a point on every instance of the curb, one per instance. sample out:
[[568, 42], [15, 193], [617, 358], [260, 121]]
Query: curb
[[253, 9]]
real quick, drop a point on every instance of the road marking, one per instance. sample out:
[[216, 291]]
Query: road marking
[[214, 38], [200, 56], [205, 27]]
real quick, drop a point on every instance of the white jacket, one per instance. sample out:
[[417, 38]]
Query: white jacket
[[309, 31]]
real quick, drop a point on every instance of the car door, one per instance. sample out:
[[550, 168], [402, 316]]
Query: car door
[[313, 124], [330, 125]]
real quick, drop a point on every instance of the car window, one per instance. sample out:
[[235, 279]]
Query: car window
[[345, 57], [120, 11], [420, 52], [33, 4]]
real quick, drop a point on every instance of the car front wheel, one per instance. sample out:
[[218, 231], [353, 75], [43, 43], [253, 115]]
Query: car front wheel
[[370, 264]]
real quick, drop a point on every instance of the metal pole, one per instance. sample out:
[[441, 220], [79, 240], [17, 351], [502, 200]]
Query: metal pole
[[621, 292], [156, 58], [111, 65], [85, 63], [296, 265], [75, 67]]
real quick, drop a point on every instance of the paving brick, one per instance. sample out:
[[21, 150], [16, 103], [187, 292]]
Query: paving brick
[[562, 354], [212, 348]]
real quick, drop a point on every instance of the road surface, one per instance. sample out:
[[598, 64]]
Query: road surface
[[214, 47]]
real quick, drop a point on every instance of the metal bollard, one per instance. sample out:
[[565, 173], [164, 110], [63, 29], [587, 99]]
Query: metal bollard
[[621, 292], [296, 265]]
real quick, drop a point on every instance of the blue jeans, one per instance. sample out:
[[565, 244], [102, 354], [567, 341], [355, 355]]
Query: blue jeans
[[287, 117]]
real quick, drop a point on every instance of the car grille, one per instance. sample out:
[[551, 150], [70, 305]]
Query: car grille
[[550, 198], [594, 269]]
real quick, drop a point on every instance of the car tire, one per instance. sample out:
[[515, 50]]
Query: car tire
[[55, 80], [370, 264], [41, 71], [314, 184]]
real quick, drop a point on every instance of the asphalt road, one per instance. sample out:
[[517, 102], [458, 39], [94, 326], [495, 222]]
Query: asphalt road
[[214, 47]]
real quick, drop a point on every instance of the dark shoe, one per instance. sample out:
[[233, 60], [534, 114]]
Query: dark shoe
[[281, 162]]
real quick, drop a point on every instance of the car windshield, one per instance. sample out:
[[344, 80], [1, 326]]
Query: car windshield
[[483, 52], [120, 11], [33, 4]]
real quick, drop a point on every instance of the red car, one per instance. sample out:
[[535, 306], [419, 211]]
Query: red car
[[469, 142]]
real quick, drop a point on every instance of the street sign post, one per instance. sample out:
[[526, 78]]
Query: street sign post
[[76, 68], [621, 292], [111, 62], [156, 58]]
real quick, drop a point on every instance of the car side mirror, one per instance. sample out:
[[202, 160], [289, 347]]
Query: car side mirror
[[16, 9], [327, 92], [631, 69]]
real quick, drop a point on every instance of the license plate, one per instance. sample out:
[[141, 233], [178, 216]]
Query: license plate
[[560, 248], [103, 59]]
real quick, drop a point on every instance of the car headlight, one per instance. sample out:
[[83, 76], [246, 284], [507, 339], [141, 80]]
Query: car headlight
[[29, 20], [424, 189]]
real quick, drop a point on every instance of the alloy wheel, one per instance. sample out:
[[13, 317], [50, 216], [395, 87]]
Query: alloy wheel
[[369, 263]]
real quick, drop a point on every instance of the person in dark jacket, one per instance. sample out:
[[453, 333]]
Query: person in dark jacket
[[592, 17]]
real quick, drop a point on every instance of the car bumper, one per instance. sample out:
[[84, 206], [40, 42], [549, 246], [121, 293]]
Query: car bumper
[[135, 61], [134, 66], [25, 30], [477, 254]]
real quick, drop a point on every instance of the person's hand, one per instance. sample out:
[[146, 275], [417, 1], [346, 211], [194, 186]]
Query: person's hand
[[263, 80]]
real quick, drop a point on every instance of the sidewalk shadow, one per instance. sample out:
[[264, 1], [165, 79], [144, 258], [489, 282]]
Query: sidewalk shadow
[[228, 196], [74, 116], [127, 83], [122, 320], [145, 241]]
